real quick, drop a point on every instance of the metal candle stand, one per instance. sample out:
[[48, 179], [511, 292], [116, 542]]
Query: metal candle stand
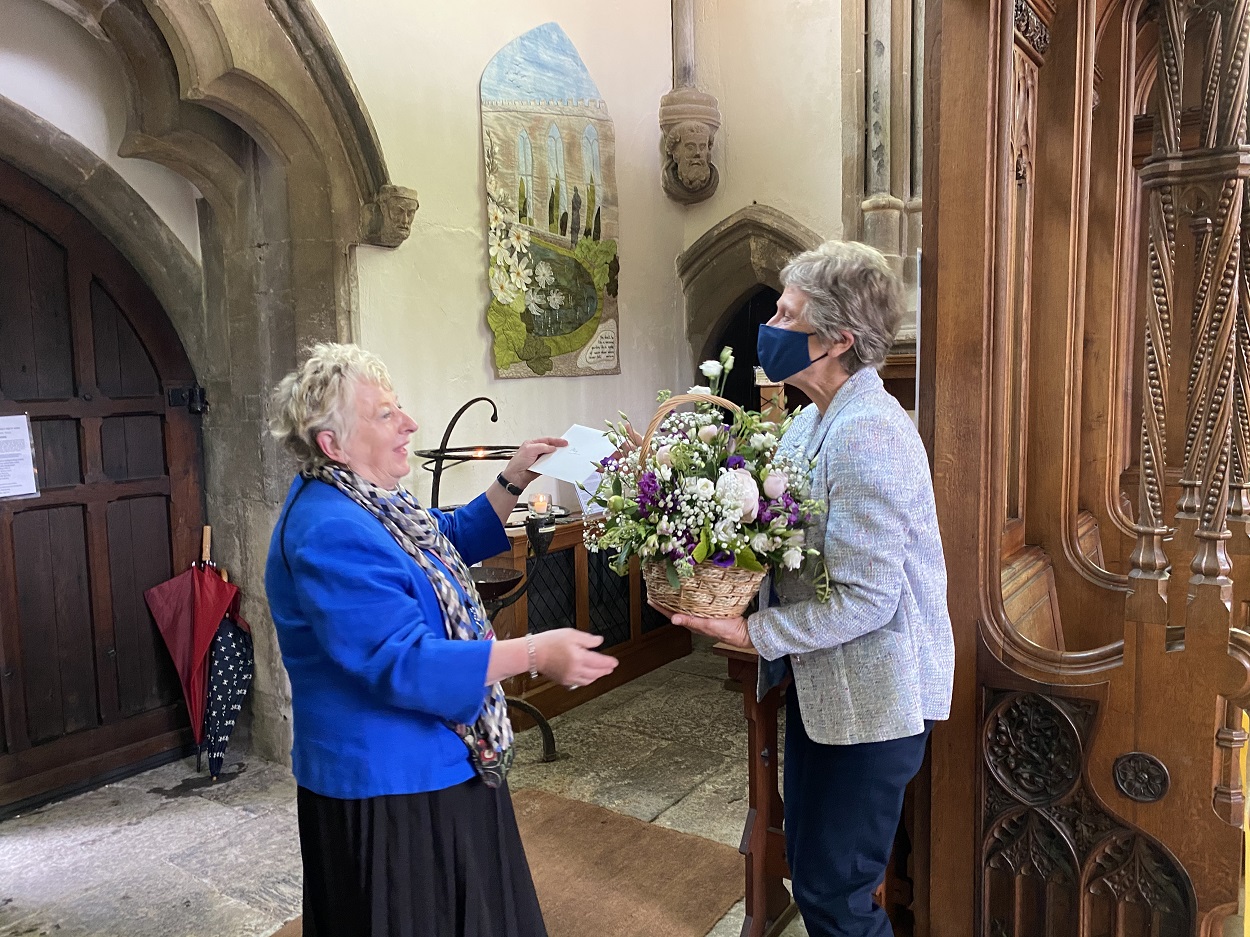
[[498, 587]]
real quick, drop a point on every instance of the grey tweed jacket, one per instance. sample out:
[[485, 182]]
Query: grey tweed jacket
[[878, 659]]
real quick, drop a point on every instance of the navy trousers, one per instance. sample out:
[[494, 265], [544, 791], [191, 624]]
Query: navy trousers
[[843, 804]]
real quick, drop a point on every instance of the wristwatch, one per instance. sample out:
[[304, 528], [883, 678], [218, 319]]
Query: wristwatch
[[508, 486]]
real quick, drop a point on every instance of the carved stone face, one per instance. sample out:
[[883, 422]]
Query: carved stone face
[[400, 210], [689, 146]]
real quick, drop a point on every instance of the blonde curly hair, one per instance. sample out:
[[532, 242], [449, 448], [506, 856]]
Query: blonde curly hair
[[317, 396]]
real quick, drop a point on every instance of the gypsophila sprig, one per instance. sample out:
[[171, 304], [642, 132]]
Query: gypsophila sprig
[[711, 488]]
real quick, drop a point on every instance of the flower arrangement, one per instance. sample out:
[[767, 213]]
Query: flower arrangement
[[703, 493]]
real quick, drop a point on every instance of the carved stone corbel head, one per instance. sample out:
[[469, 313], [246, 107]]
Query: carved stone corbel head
[[389, 217], [689, 120]]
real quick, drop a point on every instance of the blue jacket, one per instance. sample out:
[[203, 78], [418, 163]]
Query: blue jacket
[[373, 675]]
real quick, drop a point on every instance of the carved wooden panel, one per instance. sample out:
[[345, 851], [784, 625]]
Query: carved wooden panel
[[1053, 855]]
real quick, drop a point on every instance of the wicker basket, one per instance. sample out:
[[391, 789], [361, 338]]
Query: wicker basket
[[710, 591]]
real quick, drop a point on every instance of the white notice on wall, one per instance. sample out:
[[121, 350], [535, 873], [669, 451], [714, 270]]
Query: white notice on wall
[[17, 458]]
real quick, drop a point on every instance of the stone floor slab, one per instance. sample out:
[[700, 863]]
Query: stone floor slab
[[256, 863]]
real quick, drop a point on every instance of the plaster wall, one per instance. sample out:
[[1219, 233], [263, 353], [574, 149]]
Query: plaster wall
[[423, 306], [54, 68], [774, 67]]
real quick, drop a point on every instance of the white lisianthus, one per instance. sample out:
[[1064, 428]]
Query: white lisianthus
[[666, 473], [711, 369], [708, 433], [739, 489], [699, 389], [760, 543], [664, 527], [664, 456], [757, 440], [775, 484], [792, 558], [704, 489]]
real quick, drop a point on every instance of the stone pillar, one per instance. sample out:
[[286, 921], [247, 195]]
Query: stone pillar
[[882, 208], [689, 119]]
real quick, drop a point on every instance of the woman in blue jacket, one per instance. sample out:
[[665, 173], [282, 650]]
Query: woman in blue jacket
[[401, 731]]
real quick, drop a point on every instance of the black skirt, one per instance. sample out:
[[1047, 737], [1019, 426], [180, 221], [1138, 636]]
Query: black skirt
[[446, 863]]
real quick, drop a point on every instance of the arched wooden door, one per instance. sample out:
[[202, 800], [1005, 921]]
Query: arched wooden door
[[86, 684]]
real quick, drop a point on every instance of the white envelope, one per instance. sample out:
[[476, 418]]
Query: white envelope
[[587, 447]]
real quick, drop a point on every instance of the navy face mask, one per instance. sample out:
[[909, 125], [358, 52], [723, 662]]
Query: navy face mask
[[782, 352]]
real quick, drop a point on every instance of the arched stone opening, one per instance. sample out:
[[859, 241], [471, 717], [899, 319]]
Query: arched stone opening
[[252, 104], [729, 263]]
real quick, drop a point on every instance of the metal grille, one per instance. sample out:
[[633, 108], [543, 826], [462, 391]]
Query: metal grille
[[609, 600], [552, 595]]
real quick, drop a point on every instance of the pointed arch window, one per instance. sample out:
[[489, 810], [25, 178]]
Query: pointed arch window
[[525, 179], [594, 176], [558, 189]]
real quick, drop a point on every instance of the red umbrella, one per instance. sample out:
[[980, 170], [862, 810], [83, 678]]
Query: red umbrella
[[188, 610]]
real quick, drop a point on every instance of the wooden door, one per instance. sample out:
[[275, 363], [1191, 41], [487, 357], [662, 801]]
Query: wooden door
[[86, 684], [1086, 396]]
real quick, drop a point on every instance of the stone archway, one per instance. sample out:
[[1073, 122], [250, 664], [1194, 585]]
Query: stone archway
[[730, 261], [251, 102]]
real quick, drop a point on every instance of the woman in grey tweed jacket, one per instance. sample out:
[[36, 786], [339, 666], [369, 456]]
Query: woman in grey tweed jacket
[[873, 665]]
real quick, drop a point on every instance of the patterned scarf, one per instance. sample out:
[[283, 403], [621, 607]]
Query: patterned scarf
[[490, 738]]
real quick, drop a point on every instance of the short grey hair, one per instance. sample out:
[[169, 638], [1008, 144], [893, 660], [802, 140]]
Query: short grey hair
[[317, 396], [850, 288]]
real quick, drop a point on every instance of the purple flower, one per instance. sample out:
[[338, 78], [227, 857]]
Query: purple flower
[[735, 462], [723, 559]]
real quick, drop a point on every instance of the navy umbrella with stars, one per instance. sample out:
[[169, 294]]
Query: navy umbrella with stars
[[229, 676]]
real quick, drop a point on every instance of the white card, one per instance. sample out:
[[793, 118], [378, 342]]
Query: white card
[[17, 458], [586, 449]]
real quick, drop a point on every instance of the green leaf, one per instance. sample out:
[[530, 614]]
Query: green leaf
[[616, 485], [702, 549], [745, 558], [671, 572]]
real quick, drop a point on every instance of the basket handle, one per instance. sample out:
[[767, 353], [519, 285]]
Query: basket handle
[[672, 404]]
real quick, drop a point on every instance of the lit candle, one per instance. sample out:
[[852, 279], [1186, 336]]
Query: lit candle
[[479, 453], [540, 503]]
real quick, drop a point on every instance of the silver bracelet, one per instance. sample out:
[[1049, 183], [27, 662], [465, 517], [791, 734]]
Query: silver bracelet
[[533, 655]]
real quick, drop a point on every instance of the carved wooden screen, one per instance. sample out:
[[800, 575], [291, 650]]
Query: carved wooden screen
[[1101, 589]]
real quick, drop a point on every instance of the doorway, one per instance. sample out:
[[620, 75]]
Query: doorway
[[87, 688]]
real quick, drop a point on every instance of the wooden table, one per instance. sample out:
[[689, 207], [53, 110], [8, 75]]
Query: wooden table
[[768, 905]]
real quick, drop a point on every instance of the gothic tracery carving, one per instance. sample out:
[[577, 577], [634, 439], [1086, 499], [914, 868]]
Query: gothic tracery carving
[[1130, 869], [1032, 748], [1025, 843], [1083, 820]]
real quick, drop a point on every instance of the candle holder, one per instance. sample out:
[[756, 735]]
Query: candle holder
[[437, 460]]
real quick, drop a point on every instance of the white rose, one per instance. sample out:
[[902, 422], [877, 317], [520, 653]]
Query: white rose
[[665, 472], [792, 558], [760, 543], [775, 484], [664, 456], [699, 389], [708, 433], [738, 488], [711, 369], [757, 440], [704, 489]]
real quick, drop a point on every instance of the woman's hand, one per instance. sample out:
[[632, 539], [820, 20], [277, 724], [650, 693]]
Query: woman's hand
[[518, 471], [565, 655], [729, 630]]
